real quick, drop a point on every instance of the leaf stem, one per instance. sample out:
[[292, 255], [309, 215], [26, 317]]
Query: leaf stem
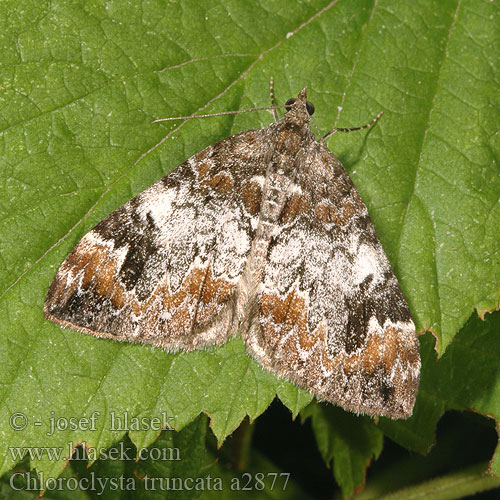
[[240, 450], [460, 484]]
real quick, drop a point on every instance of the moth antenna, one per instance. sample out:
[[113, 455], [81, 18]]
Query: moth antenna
[[171, 118], [338, 129], [273, 102]]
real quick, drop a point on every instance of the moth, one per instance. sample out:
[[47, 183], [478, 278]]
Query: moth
[[262, 233]]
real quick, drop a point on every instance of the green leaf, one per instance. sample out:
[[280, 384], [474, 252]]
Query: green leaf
[[80, 85], [346, 440]]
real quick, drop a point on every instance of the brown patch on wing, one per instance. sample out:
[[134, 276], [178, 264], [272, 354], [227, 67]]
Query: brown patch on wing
[[198, 287], [327, 213], [202, 169], [79, 270], [296, 204], [287, 317], [281, 316], [220, 182], [251, 195], [98, 263], [381, 351], [349, 210], [284, 312], [340, 215]]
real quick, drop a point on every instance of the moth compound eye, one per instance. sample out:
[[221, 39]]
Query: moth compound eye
[[288, 104]]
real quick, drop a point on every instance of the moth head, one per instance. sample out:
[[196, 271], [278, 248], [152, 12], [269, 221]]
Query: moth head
[[300, 102]]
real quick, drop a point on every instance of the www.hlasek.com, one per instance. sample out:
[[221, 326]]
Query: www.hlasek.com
[[87, 452], [246, 482]]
